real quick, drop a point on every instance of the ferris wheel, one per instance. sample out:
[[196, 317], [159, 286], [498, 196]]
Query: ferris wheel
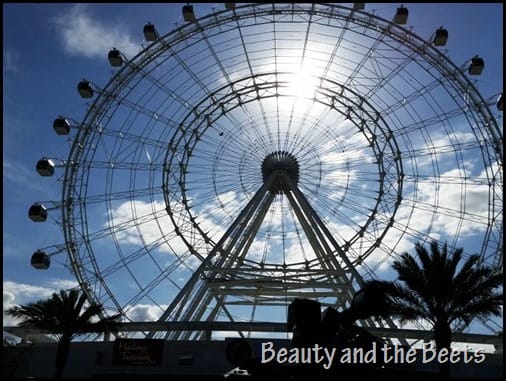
[[266, 152]]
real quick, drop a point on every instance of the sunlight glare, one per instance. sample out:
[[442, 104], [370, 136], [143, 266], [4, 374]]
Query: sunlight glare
[[303, 83]]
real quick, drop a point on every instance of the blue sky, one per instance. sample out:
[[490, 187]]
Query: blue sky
[[49, 48]]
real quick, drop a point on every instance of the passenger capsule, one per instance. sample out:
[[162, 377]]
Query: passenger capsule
[[40, 260]]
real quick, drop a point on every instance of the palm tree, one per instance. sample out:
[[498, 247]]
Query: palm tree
[[65, 315], [441, 292]]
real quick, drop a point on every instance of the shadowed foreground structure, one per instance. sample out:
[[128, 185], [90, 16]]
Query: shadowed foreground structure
[[206, 361]]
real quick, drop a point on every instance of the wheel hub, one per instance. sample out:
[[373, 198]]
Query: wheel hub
[[283, 165]]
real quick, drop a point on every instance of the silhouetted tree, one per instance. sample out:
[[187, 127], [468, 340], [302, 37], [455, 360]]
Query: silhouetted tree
[[437, 290], [65, 315]]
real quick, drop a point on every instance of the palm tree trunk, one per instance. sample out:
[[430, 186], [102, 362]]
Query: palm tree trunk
[[62, 352], [443, 338]]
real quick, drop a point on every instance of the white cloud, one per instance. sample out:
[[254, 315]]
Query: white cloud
[[463, 212], [22, 293], [145, 223], [441, 147], [82, 35], [462, 202], [141, 222], [223, 208], [144, 312], [20, 174], [62, 284], [11, 62], [8, 299]]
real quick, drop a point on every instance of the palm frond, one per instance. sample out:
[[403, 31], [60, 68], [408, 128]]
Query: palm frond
[[433, 288], [65, 313]]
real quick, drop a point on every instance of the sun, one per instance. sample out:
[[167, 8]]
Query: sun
[[302, 84], [298, 87]]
